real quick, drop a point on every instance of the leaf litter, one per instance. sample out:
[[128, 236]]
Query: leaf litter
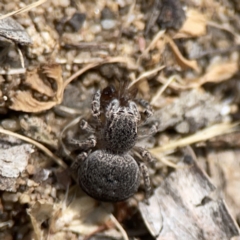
[[184, 59]]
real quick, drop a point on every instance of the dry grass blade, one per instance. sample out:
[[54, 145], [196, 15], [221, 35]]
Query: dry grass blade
[[24, 9], [145, 75], [125, 60], [21, 57], [119, 227], [37, 144], [152, 44], [167, 162], [13, 71], [162, 89], [130, 13], [203, 135]]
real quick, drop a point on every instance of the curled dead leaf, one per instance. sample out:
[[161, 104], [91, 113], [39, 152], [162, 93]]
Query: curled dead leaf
[[219, 72], [34, 80], [39, 80]]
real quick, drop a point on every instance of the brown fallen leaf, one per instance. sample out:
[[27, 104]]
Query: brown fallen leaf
[[219, 72], [34, 80], [38, 80], [194, 26], [181, 60]]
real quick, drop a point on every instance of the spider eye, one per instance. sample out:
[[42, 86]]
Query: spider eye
[[108, 94]]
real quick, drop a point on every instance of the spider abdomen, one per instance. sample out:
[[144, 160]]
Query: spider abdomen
[[109, 177]]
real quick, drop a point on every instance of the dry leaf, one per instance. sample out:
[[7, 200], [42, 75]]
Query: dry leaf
[[219, 72], [182, 61], [25, 101], [35, 81], [194, 26]]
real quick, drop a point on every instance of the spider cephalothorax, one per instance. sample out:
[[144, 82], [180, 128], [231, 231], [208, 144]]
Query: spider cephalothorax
[[110, 172]]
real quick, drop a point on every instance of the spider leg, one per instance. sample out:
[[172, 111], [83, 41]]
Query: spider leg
[[84, 125], [145, 154], [148, 112], [75, 165], [146, 179], [148, 132], [96, 104], [90, 142], [147, 157]]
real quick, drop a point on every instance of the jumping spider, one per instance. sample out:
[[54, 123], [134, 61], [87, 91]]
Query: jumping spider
[[110, 173]]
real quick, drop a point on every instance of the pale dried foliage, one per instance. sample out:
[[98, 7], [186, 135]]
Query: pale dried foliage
[[179, 100], [25, 101]]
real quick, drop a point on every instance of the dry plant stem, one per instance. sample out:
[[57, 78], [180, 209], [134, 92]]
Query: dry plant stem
[[13, 71], [21, 57], [37, 144], [152, 44], [119, 227], [92, 65], [89, 46], [167, 162], [203, 135], [100, 229], [130, 12], [24, 9], [162, 89], [145, 75]]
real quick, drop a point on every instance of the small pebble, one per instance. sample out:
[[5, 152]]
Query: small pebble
[[108, 24], [30, 169], [24, 198], [77, 21], [107, 14], [10, 124]]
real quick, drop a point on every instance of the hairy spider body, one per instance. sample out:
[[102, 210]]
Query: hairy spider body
[[109, 177], [120, 129], [110, 173]]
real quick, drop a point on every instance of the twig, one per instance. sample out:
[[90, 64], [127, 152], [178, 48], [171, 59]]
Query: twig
[[146, 74], [12, 71], [119, 227], [125, 60], [162, 89], [24, 9], [203, 135]]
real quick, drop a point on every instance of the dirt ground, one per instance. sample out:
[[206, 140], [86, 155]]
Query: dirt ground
[[183, 56]]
